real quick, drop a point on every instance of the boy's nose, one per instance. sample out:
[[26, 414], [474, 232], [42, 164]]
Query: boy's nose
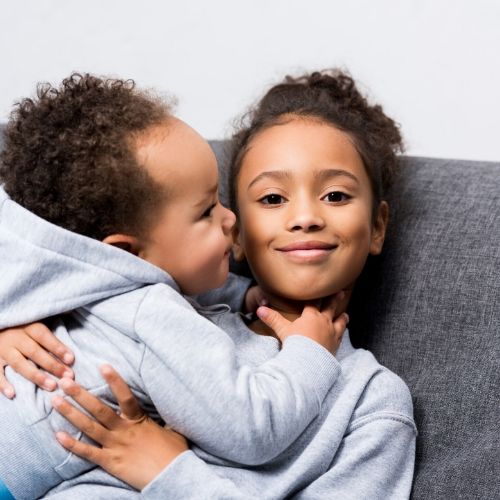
[[228, 220], [305, 217]]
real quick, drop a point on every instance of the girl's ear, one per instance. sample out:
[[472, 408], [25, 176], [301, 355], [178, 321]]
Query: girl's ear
[[238, 253], [125, 242], [379, 227]]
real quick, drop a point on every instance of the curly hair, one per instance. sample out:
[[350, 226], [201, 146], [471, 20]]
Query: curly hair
[[69, 155], [330, 96]]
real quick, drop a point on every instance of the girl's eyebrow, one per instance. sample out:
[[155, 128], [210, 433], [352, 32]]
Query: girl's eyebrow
[[328, 173], [321, 175], [279, 175]]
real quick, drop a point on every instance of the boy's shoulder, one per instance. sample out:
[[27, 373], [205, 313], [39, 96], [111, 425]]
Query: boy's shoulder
[[123, 311]]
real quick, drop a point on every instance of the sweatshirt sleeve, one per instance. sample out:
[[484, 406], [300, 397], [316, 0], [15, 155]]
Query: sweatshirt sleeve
[[237, 412], [375, 460], [232, 293], [189, 477]]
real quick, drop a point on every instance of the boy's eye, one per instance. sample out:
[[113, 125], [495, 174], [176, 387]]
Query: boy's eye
[[208, 211], [272, 199], [336, 197]]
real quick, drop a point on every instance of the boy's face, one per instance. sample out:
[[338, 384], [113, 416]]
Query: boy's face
[[191, 236], [305, 205]]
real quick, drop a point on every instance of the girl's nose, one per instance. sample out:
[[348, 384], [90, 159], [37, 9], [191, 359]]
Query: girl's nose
[[228, 220], [305, 217]]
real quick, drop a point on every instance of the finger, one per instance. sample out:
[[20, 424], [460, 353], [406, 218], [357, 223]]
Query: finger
[[340, 324], [44, 336], [273, 319], [6, 388], [89, 427], [35, 352], [29, 371], [129, 405], [84, 450], [99, 410]]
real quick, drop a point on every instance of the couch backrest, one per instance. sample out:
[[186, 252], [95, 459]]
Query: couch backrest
[[429, 309]]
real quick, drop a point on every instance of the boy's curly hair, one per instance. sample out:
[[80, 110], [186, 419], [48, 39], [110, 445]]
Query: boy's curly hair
[[330, 96], [69, 155]]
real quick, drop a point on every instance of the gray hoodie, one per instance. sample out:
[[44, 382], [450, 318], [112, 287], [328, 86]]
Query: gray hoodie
[[109, 306]]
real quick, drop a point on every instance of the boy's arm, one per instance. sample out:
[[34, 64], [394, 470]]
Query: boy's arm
[[232, 293], [244, 414]]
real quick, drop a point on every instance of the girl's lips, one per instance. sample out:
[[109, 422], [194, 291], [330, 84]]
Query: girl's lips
[[307, 245], [307, 251]]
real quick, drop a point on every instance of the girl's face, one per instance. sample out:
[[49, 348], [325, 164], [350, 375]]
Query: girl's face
[[305, 203]]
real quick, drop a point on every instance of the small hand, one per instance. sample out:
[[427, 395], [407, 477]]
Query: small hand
[[317, 322], [27, 347], [254, 298], [134, 448]]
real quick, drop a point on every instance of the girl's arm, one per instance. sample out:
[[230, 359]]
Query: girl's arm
[[375, 460], [29, 349]]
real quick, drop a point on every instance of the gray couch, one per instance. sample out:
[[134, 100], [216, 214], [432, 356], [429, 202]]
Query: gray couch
[[429, 309]]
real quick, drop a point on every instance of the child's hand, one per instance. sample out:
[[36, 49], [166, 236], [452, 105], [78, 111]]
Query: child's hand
[[253, 299], [318, 324], [135, 449], [24, 347]]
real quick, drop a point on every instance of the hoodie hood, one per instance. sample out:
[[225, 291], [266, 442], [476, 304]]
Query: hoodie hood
[[47, 270]]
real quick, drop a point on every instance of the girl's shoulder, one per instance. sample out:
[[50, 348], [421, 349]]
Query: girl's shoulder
[[380, 393]]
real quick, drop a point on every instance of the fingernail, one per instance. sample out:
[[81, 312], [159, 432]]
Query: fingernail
[[61, 437], [68, 358], [49, 385], [346, 317], [262, 312], [105, 369], [66, 383], [56, 402], [9, 392], [68, 374]]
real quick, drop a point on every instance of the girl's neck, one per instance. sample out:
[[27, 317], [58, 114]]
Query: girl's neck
[[291, 310]]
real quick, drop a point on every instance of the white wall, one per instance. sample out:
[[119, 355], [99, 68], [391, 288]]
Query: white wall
[[434, 64]]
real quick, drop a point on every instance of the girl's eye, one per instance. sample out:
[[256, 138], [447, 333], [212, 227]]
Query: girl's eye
[[272, 199], [336, 197], [208, 212]]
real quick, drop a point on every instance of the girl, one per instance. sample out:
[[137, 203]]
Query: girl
[[308, 174]]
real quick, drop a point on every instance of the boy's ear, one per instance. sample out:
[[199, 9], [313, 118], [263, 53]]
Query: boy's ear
[[238, 253], [379, 227], [124, 241]]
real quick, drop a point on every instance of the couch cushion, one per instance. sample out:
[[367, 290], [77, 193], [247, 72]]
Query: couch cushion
[[429, 309]]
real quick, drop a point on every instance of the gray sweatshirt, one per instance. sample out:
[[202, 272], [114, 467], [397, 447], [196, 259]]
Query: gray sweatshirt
[[111, 307], [360, 446]]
